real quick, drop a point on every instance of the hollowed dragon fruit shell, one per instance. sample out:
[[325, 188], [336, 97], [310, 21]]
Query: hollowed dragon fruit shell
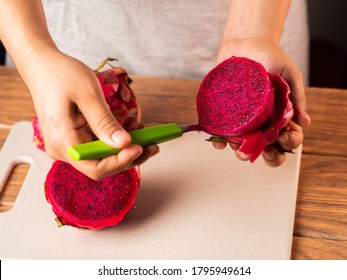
[[239, 101]]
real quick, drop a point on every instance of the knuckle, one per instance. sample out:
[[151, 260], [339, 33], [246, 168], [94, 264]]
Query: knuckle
[[96, 175], [104, 122], [296, 140], [52, 147], [107, 167], [123, 166], [50, 152]]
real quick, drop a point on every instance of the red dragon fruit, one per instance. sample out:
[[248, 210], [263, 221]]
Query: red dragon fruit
[[115, 84], [82, 202], [78, 200], [239, 102]]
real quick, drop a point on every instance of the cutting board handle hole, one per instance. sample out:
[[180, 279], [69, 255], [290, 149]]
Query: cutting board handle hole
[[16, 176]]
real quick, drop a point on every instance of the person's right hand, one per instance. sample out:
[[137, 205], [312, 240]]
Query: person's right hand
[[69, 102]]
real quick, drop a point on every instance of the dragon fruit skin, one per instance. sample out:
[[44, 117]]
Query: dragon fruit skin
[[37, 138], [251, 134], [82, 202], [76, 199], [115, 84]]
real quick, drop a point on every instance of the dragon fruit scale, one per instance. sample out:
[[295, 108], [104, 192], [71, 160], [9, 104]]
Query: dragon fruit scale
[[115, 84], [239, 102], [78, 200]]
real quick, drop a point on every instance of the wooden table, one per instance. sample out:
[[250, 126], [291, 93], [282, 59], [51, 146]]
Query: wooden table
[[320, 230]]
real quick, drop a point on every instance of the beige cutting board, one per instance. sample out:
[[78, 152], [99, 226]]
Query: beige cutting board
[[194, 202]]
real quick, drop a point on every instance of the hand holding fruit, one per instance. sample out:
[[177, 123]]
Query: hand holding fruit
[[71, 108], [276, 61]]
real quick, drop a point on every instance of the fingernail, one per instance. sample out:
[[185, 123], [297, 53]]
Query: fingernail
[[155, 151], [284, 138], [269, 155], [139, 152], [119, 137], [243, 156], [305, 113], [306, 117]]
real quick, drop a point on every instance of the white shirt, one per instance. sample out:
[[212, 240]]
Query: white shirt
[[169, 38]]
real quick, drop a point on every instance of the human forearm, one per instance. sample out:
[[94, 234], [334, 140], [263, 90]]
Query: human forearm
[[256, 18], [24, 32]]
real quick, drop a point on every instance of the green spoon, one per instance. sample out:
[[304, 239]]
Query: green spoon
[[144, 137]]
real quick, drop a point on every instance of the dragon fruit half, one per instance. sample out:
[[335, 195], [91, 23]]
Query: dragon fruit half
[[239, 102], [78, 200], [82, 202]]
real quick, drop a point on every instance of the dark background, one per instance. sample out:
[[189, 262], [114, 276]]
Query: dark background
[[328, 43], [2, 54]]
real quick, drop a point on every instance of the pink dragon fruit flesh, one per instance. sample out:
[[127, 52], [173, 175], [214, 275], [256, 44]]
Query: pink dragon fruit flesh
[[82, 202], [242, 103], [76, 199]]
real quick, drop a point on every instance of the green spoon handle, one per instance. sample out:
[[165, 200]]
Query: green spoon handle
[[144, 137]]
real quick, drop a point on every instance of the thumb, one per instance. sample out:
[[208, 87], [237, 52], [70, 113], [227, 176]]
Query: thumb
[[107, 129], [104, 124]]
